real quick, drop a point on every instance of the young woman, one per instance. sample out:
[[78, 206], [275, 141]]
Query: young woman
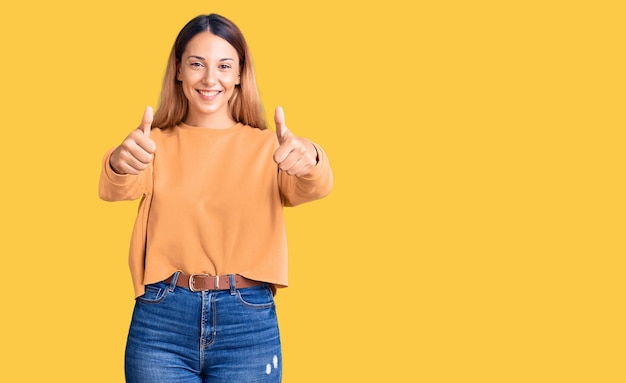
[[208, 248]]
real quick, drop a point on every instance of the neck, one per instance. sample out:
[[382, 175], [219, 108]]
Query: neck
[[212, 121]]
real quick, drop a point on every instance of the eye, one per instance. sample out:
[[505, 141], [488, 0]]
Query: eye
[[224, 66], [196, 64]]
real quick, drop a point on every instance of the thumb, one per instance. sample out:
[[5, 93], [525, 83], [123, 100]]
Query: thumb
[[282, 131], [146, 121]]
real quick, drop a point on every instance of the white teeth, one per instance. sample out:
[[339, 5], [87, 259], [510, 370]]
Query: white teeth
[[209, 93]]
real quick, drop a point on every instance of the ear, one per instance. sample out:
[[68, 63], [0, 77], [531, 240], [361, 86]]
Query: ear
[[178, 73], [238, 80]]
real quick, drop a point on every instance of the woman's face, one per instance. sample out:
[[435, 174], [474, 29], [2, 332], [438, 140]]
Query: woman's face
[[209, 70]]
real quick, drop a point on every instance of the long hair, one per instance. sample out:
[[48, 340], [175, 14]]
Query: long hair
[[245, 104]]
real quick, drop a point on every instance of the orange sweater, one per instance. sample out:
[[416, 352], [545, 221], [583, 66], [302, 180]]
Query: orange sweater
[[212, 203]]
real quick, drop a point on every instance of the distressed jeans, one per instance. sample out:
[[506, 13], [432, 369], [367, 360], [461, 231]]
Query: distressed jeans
[[180, 336]]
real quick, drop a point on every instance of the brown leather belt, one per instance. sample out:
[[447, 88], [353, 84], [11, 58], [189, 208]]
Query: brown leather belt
[[204, 282]]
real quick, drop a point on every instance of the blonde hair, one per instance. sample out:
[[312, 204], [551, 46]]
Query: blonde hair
[[245, 103]]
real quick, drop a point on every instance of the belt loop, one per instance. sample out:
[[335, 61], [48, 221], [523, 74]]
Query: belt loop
[[173, 281], [231, 283]]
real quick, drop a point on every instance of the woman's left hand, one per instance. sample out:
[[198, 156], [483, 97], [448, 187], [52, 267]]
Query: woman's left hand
[[296, 156]]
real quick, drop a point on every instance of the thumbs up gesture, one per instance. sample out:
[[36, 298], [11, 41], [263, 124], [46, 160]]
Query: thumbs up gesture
[[295, 155], [136, 151]]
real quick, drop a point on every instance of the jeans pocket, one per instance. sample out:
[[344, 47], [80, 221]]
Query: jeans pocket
[[154, 293], [259, 297]]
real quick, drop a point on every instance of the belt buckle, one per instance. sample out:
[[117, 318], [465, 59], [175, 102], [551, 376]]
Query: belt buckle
[[192, 283]]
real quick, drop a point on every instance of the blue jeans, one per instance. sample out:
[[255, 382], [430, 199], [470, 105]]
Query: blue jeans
[[180, 336]]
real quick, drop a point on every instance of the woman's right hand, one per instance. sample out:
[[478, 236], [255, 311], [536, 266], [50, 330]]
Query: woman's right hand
[[136, 151]]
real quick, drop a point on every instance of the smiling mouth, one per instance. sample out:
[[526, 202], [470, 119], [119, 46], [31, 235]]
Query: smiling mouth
[[210, 93]]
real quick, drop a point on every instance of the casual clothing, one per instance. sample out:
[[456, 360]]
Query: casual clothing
[[224, 336], [211, 202]]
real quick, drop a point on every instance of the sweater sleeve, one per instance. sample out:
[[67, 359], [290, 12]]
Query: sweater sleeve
[[316, 185], [118, 187]]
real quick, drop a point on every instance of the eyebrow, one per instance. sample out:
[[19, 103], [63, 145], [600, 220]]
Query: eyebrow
[[203, 59]]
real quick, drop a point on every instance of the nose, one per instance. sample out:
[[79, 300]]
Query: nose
[[210, 77]]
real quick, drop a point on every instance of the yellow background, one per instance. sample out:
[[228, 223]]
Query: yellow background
[[475, 232]]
